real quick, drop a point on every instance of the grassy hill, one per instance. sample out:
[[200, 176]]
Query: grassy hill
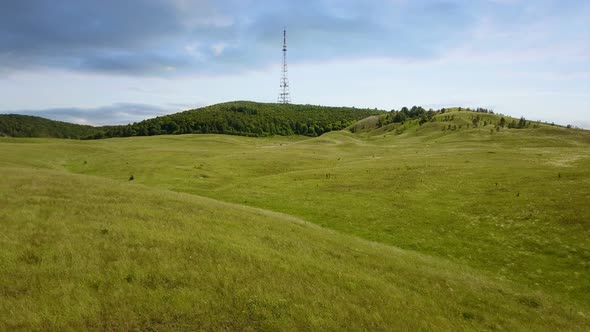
[[406, 226], [248, 119], [451, 119], [235, 118], [85, 253]]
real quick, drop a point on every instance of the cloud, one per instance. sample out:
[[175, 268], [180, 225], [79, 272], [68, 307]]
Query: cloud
[[150, 37], [121, 113], [37, 27], [218, 48], [133, 64], [581, 124], [527, 34], [187, 37], [132, 37]]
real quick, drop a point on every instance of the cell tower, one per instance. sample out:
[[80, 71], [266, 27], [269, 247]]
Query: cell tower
[[284, 95]]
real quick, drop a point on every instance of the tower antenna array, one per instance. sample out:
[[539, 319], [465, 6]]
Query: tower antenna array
[[284, 95]]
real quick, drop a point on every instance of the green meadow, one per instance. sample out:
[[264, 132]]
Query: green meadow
[[440, 226]]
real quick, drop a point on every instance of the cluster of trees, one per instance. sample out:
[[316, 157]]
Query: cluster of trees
[[15, 125], [246, 119], [477, 120], [477, 110], [483, 110], [522, 123], [405, 114]]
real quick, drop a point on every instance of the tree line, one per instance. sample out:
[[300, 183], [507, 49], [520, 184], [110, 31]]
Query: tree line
[[233, 118], [247, 119]]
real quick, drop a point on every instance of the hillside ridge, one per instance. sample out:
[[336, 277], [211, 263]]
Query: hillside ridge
[[244, 118], [247, 118]]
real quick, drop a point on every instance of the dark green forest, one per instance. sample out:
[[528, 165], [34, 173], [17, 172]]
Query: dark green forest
[[247, 119], [15, 125], [234, 118]]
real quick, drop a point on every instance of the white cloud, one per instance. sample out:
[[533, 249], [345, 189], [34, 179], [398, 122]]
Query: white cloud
[[120, 113], [193, 49], [218, 48]]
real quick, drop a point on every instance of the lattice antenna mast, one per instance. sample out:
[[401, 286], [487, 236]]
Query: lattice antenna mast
[[284, 95]]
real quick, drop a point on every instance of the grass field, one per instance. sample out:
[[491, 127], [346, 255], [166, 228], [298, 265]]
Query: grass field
[[409, 227]]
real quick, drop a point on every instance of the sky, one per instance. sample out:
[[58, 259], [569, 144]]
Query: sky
[[116, 62]]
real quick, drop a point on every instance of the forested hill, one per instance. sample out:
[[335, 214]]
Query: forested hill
[[248, 119], [16, 125], [234, 118]]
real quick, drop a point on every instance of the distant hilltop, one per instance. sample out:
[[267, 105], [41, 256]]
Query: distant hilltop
[[243, 118], [254, 119]]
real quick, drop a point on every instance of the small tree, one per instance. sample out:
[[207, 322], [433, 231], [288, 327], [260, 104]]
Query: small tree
[[400, 117], [512, 124], [476, 120]]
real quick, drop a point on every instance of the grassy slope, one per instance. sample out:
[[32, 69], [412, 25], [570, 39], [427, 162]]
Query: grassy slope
[[512, 205], [80, 252]]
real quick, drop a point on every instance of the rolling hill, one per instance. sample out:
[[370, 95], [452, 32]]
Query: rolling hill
[[85, 253], [452, 223]]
